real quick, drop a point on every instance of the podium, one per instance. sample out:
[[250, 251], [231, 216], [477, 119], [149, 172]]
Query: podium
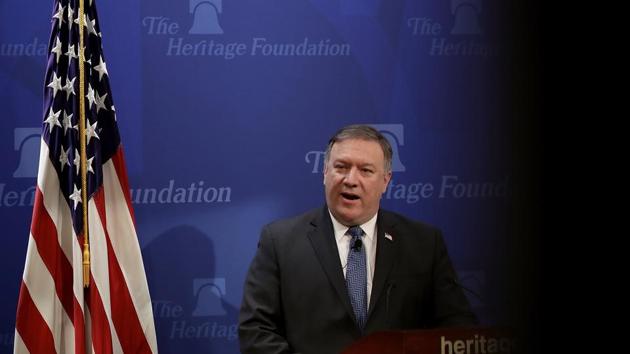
[[460, 340]]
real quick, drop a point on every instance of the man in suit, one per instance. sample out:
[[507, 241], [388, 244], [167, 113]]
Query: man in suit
[[322, 280]]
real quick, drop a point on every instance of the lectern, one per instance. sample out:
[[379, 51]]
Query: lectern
[[469, 340]]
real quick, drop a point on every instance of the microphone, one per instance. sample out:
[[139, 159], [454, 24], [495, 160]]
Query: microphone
[[356, 246]]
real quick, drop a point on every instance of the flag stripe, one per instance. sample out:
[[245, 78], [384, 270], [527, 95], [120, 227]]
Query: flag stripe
[[100, 330], [41, 285], [18, 344], [127, 248], [31, 327], [45, 236], [54, 255], [118, 160], [124, 316], [100, 265], [79, 329], [55, 204], [59, 212]]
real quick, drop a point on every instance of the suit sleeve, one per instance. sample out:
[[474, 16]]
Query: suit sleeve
[[261, 321], [451, 307]]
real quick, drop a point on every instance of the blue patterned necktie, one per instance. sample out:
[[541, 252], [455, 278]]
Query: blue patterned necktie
[[356, 276]]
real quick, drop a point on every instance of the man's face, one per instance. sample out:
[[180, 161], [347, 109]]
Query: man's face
[[355, 179]]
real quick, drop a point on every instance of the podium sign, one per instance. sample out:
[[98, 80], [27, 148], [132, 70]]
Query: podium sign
[[469, 340]]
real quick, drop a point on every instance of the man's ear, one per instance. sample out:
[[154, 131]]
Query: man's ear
[[388, 178]]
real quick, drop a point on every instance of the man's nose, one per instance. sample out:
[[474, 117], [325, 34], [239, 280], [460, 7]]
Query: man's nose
[[351, 177]]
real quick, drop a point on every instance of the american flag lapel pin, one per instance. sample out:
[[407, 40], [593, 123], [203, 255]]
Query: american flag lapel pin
[[389, 237]]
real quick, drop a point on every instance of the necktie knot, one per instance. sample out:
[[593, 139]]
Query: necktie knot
[[355, 232]]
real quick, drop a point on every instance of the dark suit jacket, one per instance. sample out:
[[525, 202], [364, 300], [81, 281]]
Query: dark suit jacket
[[295, 297]]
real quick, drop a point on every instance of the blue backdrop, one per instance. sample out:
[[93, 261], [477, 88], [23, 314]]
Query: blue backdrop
[[225, 107]]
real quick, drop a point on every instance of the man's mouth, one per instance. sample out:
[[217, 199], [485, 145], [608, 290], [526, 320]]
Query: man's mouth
[[350, 196]]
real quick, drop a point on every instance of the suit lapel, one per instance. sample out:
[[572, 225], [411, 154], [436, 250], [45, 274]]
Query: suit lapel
[[386, 254], [322, 237]]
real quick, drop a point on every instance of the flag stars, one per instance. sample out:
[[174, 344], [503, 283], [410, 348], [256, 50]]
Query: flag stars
[[52, 120], [102, 69], [89, 164], [69, 87], [90, 96], [100, 102], [55, 84], [76, 196], [71, 53], [90, 132], [63, 158], [77, 161], [57, 49], [59, 15], [70, 17], [67, 122], [91, 24]]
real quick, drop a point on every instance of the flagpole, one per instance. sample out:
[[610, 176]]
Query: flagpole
[[82, 138]]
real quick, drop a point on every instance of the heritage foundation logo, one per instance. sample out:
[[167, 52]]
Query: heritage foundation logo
[[205, 38], [206, 321], [465, 35]]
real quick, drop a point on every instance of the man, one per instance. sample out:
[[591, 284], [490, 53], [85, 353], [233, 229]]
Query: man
[[321, 280]]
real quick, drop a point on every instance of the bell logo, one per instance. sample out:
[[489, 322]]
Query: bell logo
[[394, 133], [209, 293], [466, 14], [206, 16], [27, 142]]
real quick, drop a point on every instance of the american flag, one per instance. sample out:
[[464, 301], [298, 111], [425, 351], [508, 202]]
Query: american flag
[[55, 313]]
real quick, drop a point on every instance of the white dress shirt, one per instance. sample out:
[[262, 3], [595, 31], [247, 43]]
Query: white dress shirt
[[369, 242]]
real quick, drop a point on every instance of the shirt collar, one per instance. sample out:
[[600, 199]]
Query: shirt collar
[[340, 229]]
